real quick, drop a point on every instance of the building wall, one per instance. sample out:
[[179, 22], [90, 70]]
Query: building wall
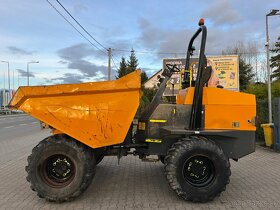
[[4, 98], [153, 80]]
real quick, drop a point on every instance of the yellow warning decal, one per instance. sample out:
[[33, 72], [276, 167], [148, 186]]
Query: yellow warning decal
[[153, 140], [158, 121]]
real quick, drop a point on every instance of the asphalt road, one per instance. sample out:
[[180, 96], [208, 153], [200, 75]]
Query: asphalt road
[[18, 136], [15, 120], [255, 180]]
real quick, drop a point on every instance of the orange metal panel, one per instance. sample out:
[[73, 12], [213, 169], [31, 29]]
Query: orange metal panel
[[95, 113], [230, 117], [185, 96], [227, 97], [224, 109]]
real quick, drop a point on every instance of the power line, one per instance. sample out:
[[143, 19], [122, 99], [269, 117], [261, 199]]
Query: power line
[[144, 68], [81, 25], [114, 62], [149, 52], [246, 53], [74, 26], [178, 53], [121, 50]]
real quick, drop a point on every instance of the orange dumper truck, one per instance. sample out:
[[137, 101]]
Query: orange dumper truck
[[194, 137]]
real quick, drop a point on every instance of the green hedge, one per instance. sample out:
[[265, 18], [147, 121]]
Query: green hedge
[[260, 90]]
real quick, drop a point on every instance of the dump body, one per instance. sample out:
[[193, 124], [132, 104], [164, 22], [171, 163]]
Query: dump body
[[96, 113]]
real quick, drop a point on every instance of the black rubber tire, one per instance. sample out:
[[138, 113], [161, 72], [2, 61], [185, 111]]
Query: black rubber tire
[[184, 150], [81, 157]]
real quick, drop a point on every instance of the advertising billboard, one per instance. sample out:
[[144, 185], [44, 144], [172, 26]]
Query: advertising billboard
[[225, 72]]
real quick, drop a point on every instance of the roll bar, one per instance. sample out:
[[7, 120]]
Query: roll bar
[[196, 112]]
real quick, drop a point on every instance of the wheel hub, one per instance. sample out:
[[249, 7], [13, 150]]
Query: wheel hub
[[58, 171], [61, 168], [198, 171]]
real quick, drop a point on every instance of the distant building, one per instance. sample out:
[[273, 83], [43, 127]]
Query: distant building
[[4, 98], [153, 80]]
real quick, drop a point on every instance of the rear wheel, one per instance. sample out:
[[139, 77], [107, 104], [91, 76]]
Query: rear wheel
[[197, 169], [60, 168]]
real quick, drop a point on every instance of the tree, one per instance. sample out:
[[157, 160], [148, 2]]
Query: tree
[[245, 74], [275, 60], [122, 71], [132, 63], [149, 93], [260, 91], [129, 66], [144, 77]]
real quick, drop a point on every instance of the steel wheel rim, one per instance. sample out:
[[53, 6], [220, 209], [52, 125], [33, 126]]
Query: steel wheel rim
[[58, 171], [198, 170]]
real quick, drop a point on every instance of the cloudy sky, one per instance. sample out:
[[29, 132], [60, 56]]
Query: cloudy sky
[[32, 30]]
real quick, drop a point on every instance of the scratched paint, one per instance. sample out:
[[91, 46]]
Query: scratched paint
[[97, 113]]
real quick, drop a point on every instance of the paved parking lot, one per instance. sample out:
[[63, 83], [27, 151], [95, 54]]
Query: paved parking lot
[[255, 182]]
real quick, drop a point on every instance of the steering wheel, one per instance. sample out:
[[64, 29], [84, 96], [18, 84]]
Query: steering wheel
[[172, 67]]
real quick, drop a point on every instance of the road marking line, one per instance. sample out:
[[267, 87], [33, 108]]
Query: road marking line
[[33, 122], [10, 126], [22, 124]]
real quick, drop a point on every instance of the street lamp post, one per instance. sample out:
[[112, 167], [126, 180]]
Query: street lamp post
[[18, 80], [13, 80], [27, 68], [19, 70], [4, 92], [9, 85], [272, 13]]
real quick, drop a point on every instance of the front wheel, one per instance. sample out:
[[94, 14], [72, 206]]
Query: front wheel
[[197, 169], [60, 168]]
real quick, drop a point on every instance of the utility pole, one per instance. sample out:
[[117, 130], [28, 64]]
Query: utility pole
[[272, 13], [109, 63]]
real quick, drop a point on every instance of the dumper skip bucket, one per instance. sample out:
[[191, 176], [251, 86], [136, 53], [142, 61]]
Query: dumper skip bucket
[[95, 113]]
